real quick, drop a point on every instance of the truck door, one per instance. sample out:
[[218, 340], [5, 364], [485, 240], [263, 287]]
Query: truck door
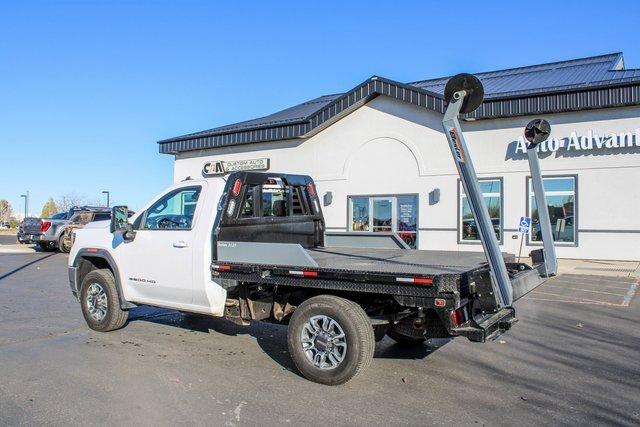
[[158, 263]]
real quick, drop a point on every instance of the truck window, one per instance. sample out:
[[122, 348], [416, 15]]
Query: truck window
[[102, 216], [248, 203], [274, 201], [297, 204], [174, 211]]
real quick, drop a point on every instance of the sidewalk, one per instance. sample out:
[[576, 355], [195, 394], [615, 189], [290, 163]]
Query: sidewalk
[[18, 249]]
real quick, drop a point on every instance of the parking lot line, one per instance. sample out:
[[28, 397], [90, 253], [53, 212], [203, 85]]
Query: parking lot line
[[630, 294], [579, 298], [574, 301], [588, 290]]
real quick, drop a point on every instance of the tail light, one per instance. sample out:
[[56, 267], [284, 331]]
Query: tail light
[[44, 226], [457, 317]]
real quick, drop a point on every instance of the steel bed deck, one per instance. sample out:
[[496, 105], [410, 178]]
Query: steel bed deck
[[398, 261]]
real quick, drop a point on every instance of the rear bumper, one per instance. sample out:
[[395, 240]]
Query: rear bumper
[[29, 238], [488, 327]]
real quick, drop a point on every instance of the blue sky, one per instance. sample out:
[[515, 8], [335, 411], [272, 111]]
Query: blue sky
[[87, 88]]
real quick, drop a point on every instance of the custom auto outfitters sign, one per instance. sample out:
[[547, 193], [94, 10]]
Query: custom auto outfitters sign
[[221, 167]]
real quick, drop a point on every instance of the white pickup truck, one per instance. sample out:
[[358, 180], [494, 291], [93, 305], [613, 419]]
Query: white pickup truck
[[254, 249]]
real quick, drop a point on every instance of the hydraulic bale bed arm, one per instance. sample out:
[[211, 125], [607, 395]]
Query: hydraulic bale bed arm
[[465, 93]]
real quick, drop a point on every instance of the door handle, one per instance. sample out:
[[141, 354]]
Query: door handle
[[180, 244]]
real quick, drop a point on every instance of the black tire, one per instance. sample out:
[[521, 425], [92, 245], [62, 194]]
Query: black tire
[[358, 332], [46, 247], [62, 247], [405, 340], [115, 317]]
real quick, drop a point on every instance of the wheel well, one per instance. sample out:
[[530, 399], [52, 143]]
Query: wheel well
[[89, 263]]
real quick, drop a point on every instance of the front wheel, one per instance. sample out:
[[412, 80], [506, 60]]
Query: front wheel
[[100, 302], [330, 339]]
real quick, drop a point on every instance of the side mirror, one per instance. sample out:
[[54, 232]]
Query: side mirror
[[120, 223]]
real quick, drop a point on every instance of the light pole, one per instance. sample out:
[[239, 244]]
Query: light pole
[[107, 193], [26, 203]]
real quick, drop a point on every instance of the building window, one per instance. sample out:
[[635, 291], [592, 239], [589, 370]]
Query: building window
[[560, 192], [391, 214], [491, 189]]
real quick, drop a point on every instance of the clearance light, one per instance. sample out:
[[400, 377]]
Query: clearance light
[[311, 189], [440, 302], [303, 273], [237, 185], [231, 207], [415, 280], [221, 267]]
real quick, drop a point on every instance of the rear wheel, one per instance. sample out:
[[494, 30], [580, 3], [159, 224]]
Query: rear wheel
[[64, 245], [330, 339], [100, 302]]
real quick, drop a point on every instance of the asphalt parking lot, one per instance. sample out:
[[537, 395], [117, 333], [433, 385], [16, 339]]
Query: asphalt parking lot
[[572, 359]]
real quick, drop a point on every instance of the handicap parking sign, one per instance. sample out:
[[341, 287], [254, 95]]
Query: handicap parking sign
[[525, 224]]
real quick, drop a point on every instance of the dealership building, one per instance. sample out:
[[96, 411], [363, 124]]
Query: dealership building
[[381, 162]]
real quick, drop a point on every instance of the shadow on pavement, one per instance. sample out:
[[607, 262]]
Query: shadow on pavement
[[22, 267], [272, 338]]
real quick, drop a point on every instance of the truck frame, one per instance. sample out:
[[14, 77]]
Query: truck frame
[[265, 252]]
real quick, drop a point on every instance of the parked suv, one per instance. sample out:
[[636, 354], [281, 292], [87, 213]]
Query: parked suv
[[79, 220], [52, 229]]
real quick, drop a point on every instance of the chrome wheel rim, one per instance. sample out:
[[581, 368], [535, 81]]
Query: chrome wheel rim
[[324, 342], [97, 302]]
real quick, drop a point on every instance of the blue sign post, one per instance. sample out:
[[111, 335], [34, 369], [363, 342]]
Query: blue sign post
[[523, 227]]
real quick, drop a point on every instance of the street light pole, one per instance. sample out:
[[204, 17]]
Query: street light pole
[[107, 193], [26, 204]]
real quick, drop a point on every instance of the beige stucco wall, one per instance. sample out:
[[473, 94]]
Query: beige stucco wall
[[390, 147]]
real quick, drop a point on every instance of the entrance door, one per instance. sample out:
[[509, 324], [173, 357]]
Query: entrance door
[[384, 214]]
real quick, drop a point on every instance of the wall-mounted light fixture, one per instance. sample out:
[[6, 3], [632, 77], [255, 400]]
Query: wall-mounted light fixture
[[434, 196]]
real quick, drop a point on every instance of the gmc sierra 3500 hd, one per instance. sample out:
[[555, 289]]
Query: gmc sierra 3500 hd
[[253, 249]]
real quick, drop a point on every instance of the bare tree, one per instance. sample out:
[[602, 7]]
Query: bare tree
[[5, 210], [69, 200]]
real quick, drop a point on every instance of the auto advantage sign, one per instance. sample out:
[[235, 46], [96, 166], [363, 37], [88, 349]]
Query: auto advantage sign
[[590, 141], [220, 167]]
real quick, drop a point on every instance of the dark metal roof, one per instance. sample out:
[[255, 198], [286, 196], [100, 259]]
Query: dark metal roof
[[579, 84]]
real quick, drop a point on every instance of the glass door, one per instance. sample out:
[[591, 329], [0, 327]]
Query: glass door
[[384, 214]]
